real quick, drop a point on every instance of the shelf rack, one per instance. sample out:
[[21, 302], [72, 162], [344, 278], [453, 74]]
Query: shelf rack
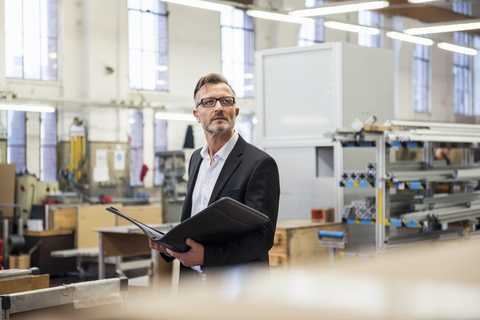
[[422, 176]]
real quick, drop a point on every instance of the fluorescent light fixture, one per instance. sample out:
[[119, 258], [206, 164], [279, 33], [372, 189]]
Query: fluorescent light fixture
[[202, 4], [350, 27], [405, 37], [421, 1], [445, 27], [26, 107], [278, 17], [175, 116], [341, 7], [457, 48]]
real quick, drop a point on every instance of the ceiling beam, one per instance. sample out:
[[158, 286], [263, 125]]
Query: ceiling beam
[[428, 12]]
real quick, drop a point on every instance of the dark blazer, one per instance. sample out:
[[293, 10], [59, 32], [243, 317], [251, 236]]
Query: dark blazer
[[250, 176]]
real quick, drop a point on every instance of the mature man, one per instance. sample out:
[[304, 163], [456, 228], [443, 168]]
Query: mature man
[[226, 166]]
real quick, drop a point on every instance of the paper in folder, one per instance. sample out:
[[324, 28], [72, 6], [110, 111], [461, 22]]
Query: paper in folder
[[224, 220]]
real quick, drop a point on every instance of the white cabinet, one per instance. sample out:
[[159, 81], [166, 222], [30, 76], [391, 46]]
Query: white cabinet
[[304, 93]]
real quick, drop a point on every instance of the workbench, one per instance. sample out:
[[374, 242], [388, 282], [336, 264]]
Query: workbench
[[51, 240], [128, 241]]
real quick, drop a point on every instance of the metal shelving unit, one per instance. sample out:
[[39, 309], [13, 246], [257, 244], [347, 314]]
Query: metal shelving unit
[[405, 191]]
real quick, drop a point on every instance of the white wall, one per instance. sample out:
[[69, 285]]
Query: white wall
[[94, 36]]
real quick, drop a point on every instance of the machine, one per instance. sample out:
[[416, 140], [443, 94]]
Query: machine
[[31, 191]]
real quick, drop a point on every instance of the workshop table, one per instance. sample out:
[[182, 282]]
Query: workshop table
[[127, 241]]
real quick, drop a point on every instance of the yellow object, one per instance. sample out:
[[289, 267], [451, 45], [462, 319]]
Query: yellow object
[[77, 148]]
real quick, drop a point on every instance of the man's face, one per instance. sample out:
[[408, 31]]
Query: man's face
[[216, 119]]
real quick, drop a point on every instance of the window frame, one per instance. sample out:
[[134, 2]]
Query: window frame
[[56, 38], [161, 71], [243, 85], [12, 139], [425, 85], [364, 39], [44, 146], [318, 28], [462, 65], [136, 157], [160, 144]]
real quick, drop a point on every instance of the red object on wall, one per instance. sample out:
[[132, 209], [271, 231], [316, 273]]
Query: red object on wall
[[143, 172]]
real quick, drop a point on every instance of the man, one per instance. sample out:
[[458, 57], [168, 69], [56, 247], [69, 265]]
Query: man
[[226, 166]]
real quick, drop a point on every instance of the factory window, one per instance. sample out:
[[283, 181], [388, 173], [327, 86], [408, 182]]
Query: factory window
[[48, 146], [136, 148], [238, 51], [462, 104], [312, 33], [147, 40], [461, 77], [421, 78], [16, 139], [31, 39], [160, 141], [372, 19], [476, 81]]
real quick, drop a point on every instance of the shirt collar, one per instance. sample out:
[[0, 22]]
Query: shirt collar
[[224, 151]]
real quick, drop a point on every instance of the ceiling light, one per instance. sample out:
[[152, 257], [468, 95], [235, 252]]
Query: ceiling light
[[445, 27], [341, 8], [409, 38], [457, 48], [26, 107], [351, 27], [175, 116], [421, 1], [278, 17], [202, 4]]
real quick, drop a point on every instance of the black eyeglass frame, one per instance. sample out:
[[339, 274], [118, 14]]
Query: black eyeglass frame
[[216, 99]]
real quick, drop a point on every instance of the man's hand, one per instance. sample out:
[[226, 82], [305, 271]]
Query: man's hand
[[156, 246], [193, 257]]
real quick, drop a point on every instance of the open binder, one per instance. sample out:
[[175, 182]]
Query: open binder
[[224, 220]]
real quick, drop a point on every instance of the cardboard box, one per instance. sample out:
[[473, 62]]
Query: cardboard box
[[35, 225], [19, 262], [7, 188], [63, 218], [296, 243], [318, 214], [329, 215], [323, 215]]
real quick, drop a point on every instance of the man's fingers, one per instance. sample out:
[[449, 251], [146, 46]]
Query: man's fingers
[[190, 242]]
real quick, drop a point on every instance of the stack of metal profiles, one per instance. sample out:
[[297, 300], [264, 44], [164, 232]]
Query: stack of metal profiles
[[444, 208], [439, 208]]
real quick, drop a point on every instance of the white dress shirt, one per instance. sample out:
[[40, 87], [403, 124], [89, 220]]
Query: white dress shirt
[[208, 174], [207, 177]]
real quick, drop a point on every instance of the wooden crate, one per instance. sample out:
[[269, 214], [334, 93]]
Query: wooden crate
[[89, 218], [63, 218], [296, 242]]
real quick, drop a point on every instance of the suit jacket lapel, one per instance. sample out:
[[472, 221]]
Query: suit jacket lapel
[[234, 159], [193, 173]]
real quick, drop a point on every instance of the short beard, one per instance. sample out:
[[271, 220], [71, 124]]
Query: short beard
[[209, 128]]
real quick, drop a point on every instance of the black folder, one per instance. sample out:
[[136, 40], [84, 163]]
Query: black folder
[[224, 220]]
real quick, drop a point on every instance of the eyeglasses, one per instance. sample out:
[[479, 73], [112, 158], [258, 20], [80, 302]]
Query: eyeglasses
[[211, 102]]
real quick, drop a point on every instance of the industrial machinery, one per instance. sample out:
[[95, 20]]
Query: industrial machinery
[[171, 164], [71, 170], [31, 191]]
